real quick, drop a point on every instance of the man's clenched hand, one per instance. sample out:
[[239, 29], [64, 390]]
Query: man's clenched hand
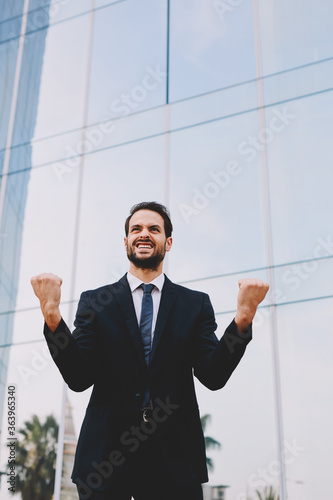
[[251, 292], [47, 288]]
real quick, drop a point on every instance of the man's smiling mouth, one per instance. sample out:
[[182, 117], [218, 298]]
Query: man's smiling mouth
[[144, 245]]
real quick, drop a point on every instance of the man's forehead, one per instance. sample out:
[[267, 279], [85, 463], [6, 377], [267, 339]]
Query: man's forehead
[[146, 217]]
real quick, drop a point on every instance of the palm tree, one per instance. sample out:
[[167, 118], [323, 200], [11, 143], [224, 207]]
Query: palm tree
[[35, 459], [268, 494], [210, 443]]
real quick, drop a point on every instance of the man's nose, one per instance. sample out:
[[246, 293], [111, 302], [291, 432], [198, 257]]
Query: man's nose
[[145, 233]]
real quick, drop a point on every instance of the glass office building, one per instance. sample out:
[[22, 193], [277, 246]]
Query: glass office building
[[21, 67], [222, 110]]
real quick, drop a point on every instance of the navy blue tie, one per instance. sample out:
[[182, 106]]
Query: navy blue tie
[[146, 327], [146, 320]]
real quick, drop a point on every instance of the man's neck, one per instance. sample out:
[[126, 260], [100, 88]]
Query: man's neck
[[145, 275]]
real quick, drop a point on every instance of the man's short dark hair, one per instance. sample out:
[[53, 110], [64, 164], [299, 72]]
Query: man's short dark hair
[[154, 207]]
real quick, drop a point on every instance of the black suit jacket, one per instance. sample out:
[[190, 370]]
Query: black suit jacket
[[105, 351]]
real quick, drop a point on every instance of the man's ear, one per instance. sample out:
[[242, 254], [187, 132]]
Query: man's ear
[[168, 244], [125, 242]]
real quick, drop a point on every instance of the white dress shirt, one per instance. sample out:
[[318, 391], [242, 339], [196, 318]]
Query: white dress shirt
[[137, 294]]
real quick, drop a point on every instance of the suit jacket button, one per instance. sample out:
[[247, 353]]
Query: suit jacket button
[[138, 395]]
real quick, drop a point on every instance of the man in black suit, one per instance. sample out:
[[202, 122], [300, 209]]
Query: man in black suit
[[138, 342]]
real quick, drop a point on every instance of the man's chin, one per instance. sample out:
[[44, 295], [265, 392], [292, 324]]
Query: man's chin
[[143, 262]]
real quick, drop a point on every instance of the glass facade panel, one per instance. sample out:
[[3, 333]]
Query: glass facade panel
[[294, 33], [301, 178], [208, 176], [47, 242], [61, 96], [305, 344], [140, 80], [10, 29], [104, 3], [114, 180], [222, 290], [205, 40], [59, 10], [311, 79], [306, 280], [38, 391], [63, 152], [28, 325], [8, 56], [214, 106], [11, 9], [243, 418]]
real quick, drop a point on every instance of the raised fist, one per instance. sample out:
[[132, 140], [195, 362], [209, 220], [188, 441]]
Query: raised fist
[[252, 291], [47, 288]]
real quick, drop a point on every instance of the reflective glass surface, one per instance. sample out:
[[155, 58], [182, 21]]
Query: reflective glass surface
[[294, 33], [140, 80], [47, 241], [206, 38], [8, 55], [209, 174], [300, 176], [113, 181], [63, 78], [305, 344], [243, 417]]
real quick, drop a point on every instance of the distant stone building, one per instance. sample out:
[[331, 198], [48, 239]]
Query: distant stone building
[[68, 489], [214, 492]]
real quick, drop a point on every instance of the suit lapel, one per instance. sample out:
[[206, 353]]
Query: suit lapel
[[123, 295], [169, 293]]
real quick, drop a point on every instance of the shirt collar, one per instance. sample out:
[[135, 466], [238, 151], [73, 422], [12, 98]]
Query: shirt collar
[[135, 282]]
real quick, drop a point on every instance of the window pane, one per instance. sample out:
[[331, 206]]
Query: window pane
[[243, 418], [294, 33], [308, 279], [214, 232], [289, 85], [301, 177], [8, 55], [305, 344], [131, 37], [114, 180], [48, 232], [205, 42], [223, 290], [61, 96]]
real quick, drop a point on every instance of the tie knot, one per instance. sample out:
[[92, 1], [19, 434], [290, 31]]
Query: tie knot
[[147, 288]]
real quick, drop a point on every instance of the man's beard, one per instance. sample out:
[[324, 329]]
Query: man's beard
[[150, 263]]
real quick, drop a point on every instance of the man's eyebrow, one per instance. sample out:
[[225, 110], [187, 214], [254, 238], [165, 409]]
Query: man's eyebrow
[[151, 226]]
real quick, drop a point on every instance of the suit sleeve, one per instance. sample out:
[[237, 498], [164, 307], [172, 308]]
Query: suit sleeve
[[75, 354], [214, 360]]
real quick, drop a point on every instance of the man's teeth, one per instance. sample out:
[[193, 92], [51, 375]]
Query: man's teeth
[[144, 246]]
